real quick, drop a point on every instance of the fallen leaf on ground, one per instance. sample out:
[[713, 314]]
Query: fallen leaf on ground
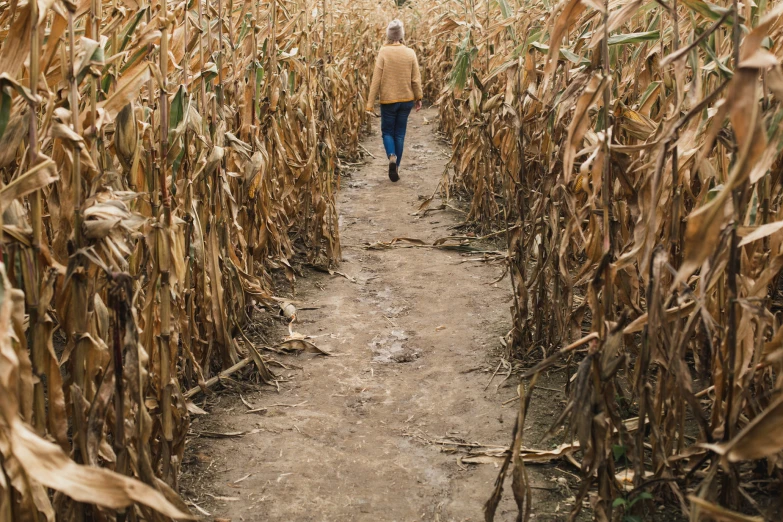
[[218, 435], [301, 345], [529, 455], [721, 514]]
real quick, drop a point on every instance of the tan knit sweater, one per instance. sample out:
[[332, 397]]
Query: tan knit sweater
[[396, 76]]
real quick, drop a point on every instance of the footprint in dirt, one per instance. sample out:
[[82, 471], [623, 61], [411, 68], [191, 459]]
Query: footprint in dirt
[[392, 347]]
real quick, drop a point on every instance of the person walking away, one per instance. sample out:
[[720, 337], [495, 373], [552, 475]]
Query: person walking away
[[398, 81]]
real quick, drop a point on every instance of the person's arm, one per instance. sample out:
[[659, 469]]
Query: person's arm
[[416, 82], [375, 85]]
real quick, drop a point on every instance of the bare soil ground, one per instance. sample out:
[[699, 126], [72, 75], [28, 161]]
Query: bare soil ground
[[363, 435]]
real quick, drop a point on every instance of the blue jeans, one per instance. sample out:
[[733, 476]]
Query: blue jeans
[[394, 120]]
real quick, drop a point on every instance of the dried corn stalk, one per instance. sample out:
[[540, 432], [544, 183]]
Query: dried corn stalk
[[158, 161], [632, 150]]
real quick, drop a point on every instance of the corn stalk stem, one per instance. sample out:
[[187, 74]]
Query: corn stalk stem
[[676, 245], [37, 340], [188, 183], [733, 265], [607, 184], [323, 30], [214, 380], [95, 17], [119, 306], [202, 106], [163, 249], [219, 87]]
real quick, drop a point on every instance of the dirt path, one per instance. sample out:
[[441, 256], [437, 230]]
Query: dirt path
[[413, 338]]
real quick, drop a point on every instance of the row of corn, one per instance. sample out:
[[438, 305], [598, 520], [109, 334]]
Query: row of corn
[[158, 162], [631, 152]]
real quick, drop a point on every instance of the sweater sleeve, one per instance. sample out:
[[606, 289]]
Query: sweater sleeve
[[416, 79], [375, 85]]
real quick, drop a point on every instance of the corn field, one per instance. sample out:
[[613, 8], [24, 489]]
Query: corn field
[[160, 161], [631, 151]]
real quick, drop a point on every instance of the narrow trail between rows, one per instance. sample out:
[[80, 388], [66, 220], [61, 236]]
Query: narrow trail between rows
[[415, 337]]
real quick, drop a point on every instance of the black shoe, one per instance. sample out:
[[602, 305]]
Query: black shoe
[[393, 175]]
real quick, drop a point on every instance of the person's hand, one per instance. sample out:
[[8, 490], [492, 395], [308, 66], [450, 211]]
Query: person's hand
[[370, 110], [418, 105]]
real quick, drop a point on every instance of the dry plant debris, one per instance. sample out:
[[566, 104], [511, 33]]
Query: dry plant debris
[[631, 150], [160, 160]]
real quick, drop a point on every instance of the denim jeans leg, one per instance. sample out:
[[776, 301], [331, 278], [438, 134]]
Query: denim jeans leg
[[388, 120], [400, 127]]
